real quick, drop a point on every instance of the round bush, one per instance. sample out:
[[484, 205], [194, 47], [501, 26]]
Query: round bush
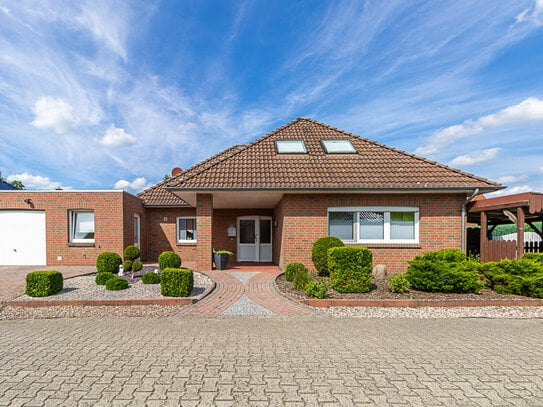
[[116, 284], [132, 252], [397, 283], [169, 260], [108, 262], [319, 253], [101, 278], [137, 266], [150, 278], [128, 265], [292, 269]]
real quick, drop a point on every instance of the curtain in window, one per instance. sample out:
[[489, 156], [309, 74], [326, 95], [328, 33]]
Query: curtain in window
[[187, 229], [402, 225], [341, 225], [372, 225], [83, 225]]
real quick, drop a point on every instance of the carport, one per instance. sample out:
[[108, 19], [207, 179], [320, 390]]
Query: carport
[[518, 209]]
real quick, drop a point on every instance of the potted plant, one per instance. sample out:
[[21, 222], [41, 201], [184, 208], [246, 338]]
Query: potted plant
[[220, 257]]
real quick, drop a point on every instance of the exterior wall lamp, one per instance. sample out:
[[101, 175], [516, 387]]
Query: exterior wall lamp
[[28, 201]]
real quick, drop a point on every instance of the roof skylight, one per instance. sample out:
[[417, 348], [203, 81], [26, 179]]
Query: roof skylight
[[290, 147], [338, 147]]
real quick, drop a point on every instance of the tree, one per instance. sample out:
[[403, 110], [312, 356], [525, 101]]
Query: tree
[[166, 177], [17, 184]]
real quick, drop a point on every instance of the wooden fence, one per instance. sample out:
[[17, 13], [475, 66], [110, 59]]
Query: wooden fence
[[496, 250]]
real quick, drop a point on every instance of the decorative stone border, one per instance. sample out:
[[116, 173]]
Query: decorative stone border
[[115, 302], [336, 302]]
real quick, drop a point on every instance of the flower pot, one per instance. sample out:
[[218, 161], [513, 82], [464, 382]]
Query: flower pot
[[221, 260]]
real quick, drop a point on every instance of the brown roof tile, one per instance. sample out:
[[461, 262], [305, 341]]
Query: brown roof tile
[[258, 166]]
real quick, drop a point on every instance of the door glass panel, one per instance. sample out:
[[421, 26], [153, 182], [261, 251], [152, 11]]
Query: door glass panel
[[265, 231], [247, 231], [136, 230]]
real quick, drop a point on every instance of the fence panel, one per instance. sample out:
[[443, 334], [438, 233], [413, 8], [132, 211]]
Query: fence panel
[[496, 250]]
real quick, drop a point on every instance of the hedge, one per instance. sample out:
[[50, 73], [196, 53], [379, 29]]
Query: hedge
[[42, 283], [108, 262], [116, 284], [169, 260], [350, 269], [319, 253], [176, 282], [150, 278], [101, 278], [519, 277]]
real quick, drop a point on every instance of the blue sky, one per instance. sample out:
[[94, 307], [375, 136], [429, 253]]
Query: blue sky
[[113, 94]]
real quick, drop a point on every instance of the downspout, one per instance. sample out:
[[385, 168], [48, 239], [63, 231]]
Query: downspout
[[464, 205]]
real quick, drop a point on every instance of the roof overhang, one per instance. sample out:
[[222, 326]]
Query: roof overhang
[[245, 198], [497, 208]]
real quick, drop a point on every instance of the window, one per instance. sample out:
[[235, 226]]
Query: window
[[374, 224], [290, 147], [186, 230], [338, 146], [81, 226]]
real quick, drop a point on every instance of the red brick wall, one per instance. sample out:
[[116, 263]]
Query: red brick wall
[[132, 205], [108, 221], [204, 219], [222, 218], [303, 218], [161, 233]]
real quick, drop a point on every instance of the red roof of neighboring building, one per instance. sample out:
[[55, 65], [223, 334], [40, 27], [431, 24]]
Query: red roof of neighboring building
[[258, 166]]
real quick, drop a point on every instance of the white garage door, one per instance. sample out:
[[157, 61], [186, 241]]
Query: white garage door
[[22, 237]]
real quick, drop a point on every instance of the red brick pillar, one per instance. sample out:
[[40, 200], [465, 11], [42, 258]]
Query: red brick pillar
[[204, 227]]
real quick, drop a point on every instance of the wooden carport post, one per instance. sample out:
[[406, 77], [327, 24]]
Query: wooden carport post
[[483, 237], [520, 232]]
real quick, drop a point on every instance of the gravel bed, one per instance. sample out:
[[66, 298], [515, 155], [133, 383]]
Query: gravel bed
[[85, 288], [156, 311], [433, 312]]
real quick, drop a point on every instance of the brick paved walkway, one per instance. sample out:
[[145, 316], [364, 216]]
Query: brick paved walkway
[[257, 286], [262, 361]]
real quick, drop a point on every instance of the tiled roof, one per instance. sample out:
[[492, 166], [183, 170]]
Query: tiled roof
[[159, 195], [4, 186], [258, 166], [374, 166]]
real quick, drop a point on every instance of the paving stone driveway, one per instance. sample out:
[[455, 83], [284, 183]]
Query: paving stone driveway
[[296, 360]]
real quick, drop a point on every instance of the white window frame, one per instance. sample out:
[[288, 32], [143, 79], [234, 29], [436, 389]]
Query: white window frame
[[72, 225], [177, 230], [328, 149], [278, 147], [386, 212]]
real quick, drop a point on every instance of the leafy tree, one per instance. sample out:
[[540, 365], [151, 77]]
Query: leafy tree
[[17, 184]]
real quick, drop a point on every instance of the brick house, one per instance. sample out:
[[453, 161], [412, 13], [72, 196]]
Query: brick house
[[267, 201]]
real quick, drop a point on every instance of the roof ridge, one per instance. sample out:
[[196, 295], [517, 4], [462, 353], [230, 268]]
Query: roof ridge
[[407, 153], [258, 140]]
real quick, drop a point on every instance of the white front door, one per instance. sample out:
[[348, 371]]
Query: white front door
[[137, 230], [255, 238], [22, 237]]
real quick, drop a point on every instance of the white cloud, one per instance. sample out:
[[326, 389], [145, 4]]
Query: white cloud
[[475, 157], [511, 179], [512, 190], [541, 170], [139, 184], [54, 114], [35, 181], [532, 14], [530, 110], [116, 137]]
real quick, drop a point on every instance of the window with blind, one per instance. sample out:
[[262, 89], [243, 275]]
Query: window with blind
[[374, 224], [81, 226]]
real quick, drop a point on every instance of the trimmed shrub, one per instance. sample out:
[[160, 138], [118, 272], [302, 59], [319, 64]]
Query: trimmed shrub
[[137, 266], [537, 257], [116, 284], [108, 262], [101, 278], [519, 277], [42, 283], [398, 283], [131, 252], [127, 265], [292, 269], [301, 278], [446, 270], [350, 269], [176, 282], [150, 278], [319, 253], [169, 260], [317, 289]]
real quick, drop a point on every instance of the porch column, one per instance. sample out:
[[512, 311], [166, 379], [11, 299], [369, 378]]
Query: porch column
[[484, 231], [520, 232], [204, 227]]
